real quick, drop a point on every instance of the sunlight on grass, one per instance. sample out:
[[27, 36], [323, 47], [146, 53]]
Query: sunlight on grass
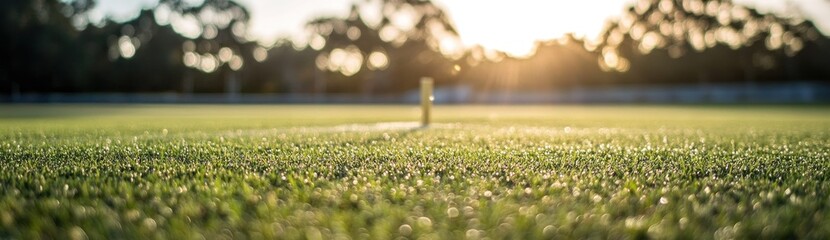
[[369, 172]]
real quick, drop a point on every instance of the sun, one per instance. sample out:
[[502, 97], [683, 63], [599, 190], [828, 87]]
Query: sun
[[514, 27]]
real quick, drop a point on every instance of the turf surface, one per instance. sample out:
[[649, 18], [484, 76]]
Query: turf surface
[[368, 172]]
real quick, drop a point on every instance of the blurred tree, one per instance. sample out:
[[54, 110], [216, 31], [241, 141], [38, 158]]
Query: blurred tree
[[144, 55], [385, 46], [38, 47], [412, 39], [221, 47], [138, 55], [684, 41]]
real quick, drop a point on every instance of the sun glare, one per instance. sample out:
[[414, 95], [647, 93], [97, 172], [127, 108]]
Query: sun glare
[[514, 27]]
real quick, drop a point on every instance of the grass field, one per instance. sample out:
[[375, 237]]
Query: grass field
[[368, 172]]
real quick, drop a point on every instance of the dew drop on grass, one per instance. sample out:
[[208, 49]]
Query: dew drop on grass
[[313, 233], [405, 229], [150, 224], [424, 222], [77, 233], [472, 234], [452, 212], [548, 230]]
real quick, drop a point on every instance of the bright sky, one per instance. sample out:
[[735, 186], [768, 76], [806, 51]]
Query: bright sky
[[517, 26]]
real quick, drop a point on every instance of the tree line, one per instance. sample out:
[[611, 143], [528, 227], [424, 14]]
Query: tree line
[[49, 46]]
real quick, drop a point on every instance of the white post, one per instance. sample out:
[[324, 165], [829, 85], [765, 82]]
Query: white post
[[426, 101]]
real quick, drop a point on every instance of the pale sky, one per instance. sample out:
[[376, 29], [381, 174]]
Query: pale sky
[[539, 19]]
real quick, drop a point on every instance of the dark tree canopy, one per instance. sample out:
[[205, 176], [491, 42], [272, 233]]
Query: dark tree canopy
[[49, 46]]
